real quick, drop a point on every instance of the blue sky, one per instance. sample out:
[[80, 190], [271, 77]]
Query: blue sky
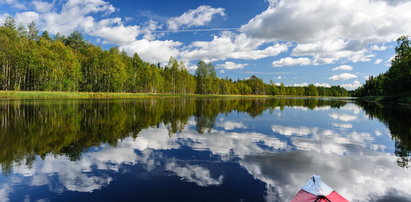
[[296, 42]]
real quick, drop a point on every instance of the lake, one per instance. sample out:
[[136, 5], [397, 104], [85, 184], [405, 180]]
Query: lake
[[202, 149]]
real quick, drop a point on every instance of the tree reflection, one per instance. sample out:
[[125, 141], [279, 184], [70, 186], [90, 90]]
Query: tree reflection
[[31, 128], [398, 121]]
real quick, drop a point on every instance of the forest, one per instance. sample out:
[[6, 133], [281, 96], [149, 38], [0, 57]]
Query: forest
[[30, 61], [397, 80]]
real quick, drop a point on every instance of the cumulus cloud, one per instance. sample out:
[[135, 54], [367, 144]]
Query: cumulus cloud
[[80, 15], [378, 48], [330, 51], [322, 85], [43, 6], [352, 86], [149, 30], [346, 36], [75, 15], [289, 61], [153, 51], [231, 65], [196, 17], [311, 22], [342, 68], [343, 76], [231, 45], [114, 31], [25, 18]]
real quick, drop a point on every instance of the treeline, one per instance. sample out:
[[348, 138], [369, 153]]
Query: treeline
[[33, 62], [397, 79]]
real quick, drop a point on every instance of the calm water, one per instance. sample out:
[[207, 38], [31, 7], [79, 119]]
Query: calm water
[[187, 149]]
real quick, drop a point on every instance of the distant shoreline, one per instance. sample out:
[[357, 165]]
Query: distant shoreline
[[96, 95], [403, 98]]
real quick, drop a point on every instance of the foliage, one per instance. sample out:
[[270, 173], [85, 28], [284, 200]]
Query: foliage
[[30, 61], [397, 79]]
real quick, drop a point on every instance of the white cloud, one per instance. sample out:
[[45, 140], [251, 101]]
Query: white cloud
[[78, 15], [153, 51], [331, 51], [322, 85], [43, 6], [342, 68], [231, 65], [342, 125], [343, 76], [300, 85], [352, 86], [305, 21], [25, 18], [352, 108], [343, 117], [325, 141], [197, 17], [378, 61], [3, 18], [149, 29], [378, 48], [75, 15], [378, 133], [230, 125], [289, 61], [194, 173], [114, 31], [231, 45], [346, 36], [4, 193]]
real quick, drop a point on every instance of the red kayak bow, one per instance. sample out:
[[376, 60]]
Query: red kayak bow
[[316, 190]]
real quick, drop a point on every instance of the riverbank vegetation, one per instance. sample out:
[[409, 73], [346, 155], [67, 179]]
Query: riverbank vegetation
[[33, 62], [395, 84]]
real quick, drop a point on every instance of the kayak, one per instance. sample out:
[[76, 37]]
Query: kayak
[[317, 191]]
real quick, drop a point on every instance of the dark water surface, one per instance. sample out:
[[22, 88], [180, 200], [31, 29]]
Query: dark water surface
[[195, 149]]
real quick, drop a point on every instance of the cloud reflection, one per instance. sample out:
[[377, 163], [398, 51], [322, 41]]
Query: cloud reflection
[[358, 178], [342, 158]]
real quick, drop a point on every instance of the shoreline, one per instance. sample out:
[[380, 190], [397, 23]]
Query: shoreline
[[404, 98], [106, 95]]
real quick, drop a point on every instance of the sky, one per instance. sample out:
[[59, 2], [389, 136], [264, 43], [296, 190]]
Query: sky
[[295, 42]]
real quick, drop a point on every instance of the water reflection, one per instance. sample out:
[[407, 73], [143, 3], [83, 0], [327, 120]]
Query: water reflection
[[229, 149]]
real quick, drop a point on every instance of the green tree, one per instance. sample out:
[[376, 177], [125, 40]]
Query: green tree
[[312, 90]]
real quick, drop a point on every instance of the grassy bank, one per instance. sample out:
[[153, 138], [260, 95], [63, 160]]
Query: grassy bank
[[402, 98], [55, 94]]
